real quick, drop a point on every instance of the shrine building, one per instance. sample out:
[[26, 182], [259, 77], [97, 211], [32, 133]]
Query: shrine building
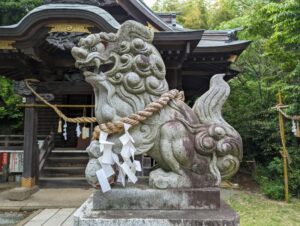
[[39, 47]]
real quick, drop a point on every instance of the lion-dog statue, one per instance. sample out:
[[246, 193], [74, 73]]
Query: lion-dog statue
[[192, 147]]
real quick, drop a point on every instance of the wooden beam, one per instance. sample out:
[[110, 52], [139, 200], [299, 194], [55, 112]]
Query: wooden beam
[[66, 87], [174, 78]]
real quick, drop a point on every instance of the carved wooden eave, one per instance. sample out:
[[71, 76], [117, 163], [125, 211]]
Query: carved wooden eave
[[45, 15]]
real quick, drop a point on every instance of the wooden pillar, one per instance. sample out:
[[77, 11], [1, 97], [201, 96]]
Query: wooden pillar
[[174, 78], [30, 171]]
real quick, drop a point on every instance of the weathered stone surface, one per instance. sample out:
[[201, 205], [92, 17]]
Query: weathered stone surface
[[144, 198], [160, 179], [21, 193], [224, 216], [127, 74]]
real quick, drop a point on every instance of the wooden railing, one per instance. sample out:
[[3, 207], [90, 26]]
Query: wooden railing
[[11, 142], [14, 143], [46, 149]]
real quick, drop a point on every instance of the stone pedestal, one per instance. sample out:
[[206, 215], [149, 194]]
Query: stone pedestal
[[145, 206]]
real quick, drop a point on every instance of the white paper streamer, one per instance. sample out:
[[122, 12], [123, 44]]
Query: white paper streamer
[[129, 167], [102, 178], [108, 170], [102, 138], [108, 159], [107, 153], [78, 130], [129, 173], [294, 129], [65, 131]]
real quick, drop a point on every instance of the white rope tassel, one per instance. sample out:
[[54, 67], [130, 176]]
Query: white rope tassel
[[65, 131]]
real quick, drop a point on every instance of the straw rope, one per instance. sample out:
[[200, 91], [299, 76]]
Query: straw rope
[[117, 126], [279, 107]]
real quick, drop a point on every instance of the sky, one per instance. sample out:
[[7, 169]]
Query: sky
[[150, 2]]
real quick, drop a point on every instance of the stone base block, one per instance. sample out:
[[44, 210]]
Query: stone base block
[[21, 193], [224, 216], [141, 197]]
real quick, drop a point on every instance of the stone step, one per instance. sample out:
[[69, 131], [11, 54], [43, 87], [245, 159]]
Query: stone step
[[63, 182], [64, 167], [64, 170], [68, 153], [67, 150], [67, 161]]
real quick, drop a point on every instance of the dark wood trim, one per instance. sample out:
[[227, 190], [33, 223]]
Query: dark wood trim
[[226, 47], [66, 87]]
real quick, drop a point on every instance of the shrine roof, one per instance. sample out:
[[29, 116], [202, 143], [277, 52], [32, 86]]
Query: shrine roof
[[31, 47]]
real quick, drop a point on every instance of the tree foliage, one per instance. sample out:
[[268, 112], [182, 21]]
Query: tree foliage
[[10, 114], [270, 64], [11, 11]]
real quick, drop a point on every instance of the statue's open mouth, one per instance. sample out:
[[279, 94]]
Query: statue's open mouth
[[95, 67]]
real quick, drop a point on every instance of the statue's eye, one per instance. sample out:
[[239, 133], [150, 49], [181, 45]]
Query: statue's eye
[[94, 49]]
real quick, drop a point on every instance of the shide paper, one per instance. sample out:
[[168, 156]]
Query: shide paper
[[128, 167]]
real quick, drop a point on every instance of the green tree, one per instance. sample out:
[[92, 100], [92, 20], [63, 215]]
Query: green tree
[[10, 114], [191, 13], [270, 64], [11, 11]]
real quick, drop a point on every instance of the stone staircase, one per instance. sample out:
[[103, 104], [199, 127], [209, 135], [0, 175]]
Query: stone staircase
[[64, 168]]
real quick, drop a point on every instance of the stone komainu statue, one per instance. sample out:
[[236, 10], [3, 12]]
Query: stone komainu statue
[[193, 147]]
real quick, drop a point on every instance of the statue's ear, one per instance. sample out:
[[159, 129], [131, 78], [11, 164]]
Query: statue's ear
[[132, 29]]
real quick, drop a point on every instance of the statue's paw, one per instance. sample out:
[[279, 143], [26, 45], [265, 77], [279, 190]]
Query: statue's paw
[[161, 179], [90, 171], [94, 149]]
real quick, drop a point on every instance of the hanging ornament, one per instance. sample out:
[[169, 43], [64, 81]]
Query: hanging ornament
[[59, 128], [78, 130], [297, 130], [85, 132], [65, 131], [294, 129]]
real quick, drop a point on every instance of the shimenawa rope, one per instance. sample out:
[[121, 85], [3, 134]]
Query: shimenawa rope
[[117, 126]]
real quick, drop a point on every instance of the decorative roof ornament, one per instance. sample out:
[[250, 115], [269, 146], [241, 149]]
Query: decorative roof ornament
[[69, 27], [7, 44]]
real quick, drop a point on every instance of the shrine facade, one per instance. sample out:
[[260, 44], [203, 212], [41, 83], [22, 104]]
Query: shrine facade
[[39, 47]]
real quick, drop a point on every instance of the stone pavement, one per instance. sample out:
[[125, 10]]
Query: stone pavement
[[50, 217], [47, 199]]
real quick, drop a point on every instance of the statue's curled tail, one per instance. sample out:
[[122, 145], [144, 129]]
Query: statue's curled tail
[[223, 143]]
